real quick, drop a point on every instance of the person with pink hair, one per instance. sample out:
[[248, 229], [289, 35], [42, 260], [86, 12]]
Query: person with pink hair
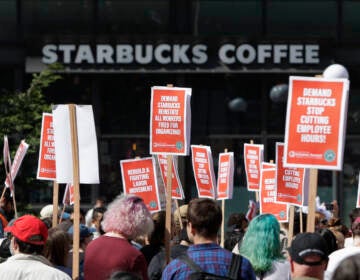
[[126, 218]]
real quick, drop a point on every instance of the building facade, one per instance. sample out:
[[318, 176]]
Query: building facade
[[231, 53]]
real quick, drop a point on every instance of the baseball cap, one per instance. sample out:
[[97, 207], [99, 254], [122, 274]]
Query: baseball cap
[[306, 244], [29, 229], [84, 231]]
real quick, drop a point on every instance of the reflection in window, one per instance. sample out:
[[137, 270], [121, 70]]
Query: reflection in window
[[7, 19], [304, 18], [351, 20], [228, 17], [133, 16], [52, 16]]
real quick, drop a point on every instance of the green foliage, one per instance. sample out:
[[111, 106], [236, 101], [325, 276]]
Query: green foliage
[[20, 118], [21, 112]]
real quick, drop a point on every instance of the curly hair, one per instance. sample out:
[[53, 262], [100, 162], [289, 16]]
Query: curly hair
[[128, 215], [261, 243]]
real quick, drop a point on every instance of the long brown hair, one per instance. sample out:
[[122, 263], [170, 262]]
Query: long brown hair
[[57, 247]]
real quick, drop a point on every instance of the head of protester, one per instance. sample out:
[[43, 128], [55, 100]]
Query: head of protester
[[348, 269], [261, 245], [308, 256], [126, 218], [28, 238], [204, 220], [57, 249], [237, 224], [337, 256], [158, 262], [156, 238]]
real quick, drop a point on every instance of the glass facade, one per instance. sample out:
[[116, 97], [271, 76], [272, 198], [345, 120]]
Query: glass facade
[[229, 108]]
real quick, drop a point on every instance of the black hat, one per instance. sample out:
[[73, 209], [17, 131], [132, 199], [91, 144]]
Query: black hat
[[306, 244]]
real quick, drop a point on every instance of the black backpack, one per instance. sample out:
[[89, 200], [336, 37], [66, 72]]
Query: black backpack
[[199, 274]]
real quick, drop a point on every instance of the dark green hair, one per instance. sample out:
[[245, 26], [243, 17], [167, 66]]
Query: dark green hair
[[261, 243]]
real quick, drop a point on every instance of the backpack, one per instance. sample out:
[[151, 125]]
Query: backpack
[[199, 274]]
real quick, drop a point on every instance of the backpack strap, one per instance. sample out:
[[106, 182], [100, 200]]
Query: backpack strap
[[186, 259], [235, 266]]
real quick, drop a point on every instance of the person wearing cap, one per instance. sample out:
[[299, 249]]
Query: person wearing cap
[[308, 255], [28, 238], [337, 256]]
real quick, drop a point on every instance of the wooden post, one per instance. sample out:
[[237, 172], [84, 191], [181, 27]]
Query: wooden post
[[178, 212], [76, 222], [168, 208], [301, 220], [222, 223], [310, 225], [3, 192], [55, 204], [222, 237], [12, 190], [291, 224]]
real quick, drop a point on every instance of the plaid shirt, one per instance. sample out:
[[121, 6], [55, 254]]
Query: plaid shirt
[[211, 258]]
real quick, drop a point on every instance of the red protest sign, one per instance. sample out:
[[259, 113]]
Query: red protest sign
[[290, 181], [139, 178], [170, 120], [253, 157], [203, 167], [315, 122], [225, 182], [47, 164], [268, 203], [176, 187], [68, 198], [18, 158]]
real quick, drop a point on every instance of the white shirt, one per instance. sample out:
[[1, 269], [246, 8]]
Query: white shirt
[[336, 257], [30, 267]]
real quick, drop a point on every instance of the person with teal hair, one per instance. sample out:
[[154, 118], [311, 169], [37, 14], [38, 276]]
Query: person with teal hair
[[261, 246]]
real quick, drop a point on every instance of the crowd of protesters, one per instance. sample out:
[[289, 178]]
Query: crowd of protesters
[[123, 240]]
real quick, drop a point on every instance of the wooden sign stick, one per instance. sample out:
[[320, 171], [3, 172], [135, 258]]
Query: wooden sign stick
[[62, 213], [55, 204], [222, 237], [3, 192], [168, 208], [291, 224], [222, 223], [301, 220], [310, 225], [178, 213], [75, 161], [168, 204], [12, 190]]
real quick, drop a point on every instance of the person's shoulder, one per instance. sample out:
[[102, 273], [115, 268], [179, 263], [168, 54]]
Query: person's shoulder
[[57, 274]]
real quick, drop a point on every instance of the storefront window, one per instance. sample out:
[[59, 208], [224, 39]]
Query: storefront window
[[133, 16], [241, 18], [299, 19], [7, 20], [351, 21], [56, 17]]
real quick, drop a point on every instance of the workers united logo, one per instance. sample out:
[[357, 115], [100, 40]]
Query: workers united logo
[[179, 145], [329, 155], [153, 204]]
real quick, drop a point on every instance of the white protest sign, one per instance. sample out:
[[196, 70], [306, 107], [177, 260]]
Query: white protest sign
[[87, 144]]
